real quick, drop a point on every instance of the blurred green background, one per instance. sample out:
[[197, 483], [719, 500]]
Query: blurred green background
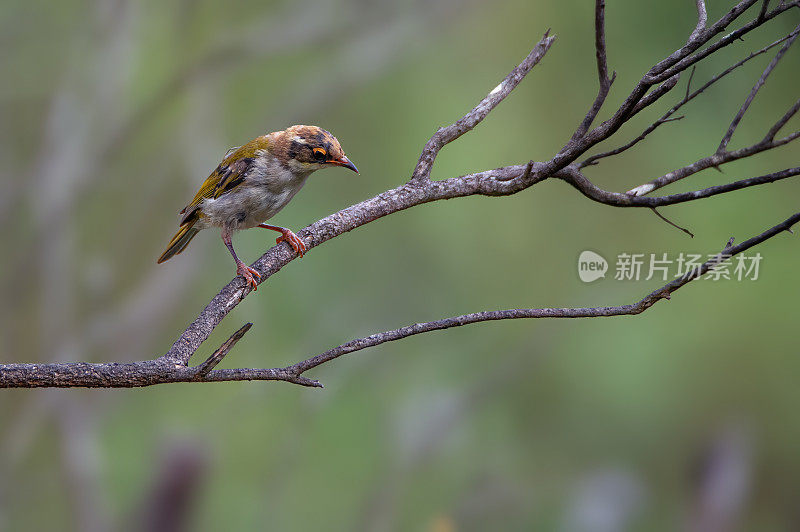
[[113, 112]]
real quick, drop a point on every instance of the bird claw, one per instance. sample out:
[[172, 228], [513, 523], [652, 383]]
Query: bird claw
[[294, 241], [250, 275]]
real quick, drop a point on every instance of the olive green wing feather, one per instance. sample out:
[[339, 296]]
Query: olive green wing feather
[[230, 173]]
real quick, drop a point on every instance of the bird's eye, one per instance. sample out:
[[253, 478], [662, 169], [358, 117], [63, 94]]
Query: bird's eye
[[320, 154]]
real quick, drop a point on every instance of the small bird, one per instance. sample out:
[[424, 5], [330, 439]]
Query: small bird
[[252, 183]]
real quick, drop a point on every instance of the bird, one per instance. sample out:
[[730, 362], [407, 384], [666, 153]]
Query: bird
[[252, 184]]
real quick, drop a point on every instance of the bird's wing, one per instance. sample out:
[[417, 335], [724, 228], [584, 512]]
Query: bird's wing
[[230, 173]]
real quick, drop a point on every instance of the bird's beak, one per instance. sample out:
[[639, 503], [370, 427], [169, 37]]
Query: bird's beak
[[345, 162]]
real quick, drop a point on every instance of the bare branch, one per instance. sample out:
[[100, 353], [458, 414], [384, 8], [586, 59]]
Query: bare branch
[[660, 79], [216, 357], [770, 136], [155, 372], [689, 84], [602, 70], [764, 7], [446, 135], [702, 19], [533, 313], [712, 161], [665, 69], [733, 36], [600, 41], [591, 191], [772, 64], [677, 61], [129, 375], [656, 94], [673, 224], [687, 98]]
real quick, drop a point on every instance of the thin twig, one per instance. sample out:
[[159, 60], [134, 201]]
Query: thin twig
[[574, 177], [673, 224], [689, 83], [772, 64], [687, 98], [446, 135], [702, 19], [764, 7], [691, 59], [656, 94], [665, 69], [602, 70], [770, 136], [600, 41], [211, 362], [712, 161], [588, 312]]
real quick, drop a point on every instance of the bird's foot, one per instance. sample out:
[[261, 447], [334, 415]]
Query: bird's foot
[[288, 236], [250, 275]]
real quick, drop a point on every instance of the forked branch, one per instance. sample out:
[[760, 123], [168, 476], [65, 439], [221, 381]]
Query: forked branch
[[650, 89]]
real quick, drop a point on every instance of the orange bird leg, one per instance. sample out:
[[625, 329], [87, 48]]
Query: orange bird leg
[[242, 269], [287, 236]]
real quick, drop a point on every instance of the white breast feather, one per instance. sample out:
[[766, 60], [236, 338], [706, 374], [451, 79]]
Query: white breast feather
[[267, 188]]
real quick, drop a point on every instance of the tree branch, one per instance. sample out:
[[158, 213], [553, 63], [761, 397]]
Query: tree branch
[[733, 36], [670, 222], [667, 117], [602, 69], [446, 135], [654, 84], [665, 69], [772, 64], [153, 372], [712, 161], [533, 313], [574, 177], [211, 362]]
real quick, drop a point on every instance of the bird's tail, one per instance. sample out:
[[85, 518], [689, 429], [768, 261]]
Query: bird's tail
[[179, 241]]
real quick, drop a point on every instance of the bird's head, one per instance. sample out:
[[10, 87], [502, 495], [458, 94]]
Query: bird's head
[[309, 148]]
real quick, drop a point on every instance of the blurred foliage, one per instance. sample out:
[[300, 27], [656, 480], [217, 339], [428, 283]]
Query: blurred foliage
[[113, 112]]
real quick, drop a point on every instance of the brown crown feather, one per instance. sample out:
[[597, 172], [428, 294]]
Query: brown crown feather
[[298, 142]]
